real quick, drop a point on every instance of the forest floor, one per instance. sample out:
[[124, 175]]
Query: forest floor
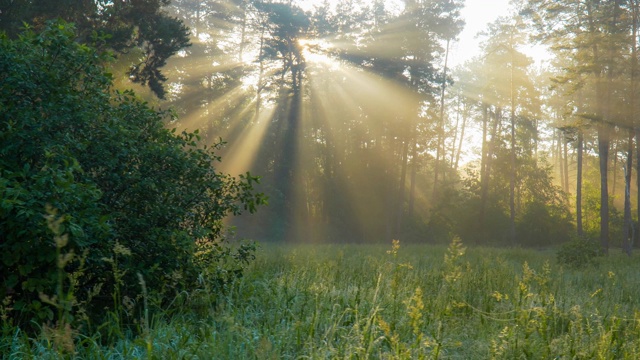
[[391, 302]]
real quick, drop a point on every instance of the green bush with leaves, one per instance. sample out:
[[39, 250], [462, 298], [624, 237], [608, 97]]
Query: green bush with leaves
[[105, 160], [580, 252]]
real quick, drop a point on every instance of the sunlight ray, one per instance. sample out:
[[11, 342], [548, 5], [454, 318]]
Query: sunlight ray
[[365, 101], [196, 119], [242, 153], [326, 114]]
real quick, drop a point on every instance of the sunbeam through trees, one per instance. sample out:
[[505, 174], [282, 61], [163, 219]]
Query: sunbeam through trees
[[351, 116], [141, 139]]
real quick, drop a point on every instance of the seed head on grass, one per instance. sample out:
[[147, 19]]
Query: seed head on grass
[[395, 246], [452, 261], [415, 310], [6, 308], [61, 336]]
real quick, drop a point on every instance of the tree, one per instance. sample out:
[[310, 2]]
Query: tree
[[509, 106], [410, 43], [502, 47], [346, 104], [120, 179], [129, 25], [593, 35]]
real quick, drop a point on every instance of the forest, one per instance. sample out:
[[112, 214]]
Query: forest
[[318, 179], [361, 132]]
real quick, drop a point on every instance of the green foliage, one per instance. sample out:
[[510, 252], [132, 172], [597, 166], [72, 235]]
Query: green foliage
[[542, 216], [336, 302], [127, 26], [591, 213], [580, 253], [162, 37], [543, 224], [105, 161]]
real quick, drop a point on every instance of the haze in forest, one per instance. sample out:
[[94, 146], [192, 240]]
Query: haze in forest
[[358, 139], [364, 126]]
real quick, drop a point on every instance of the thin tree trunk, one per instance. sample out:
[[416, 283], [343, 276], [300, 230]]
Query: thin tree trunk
[[243, 33], [400, 198], [497, 119], [464, 125], [535, 139], [484, 173], [512, 177], [603, 154], [412, 186], [637, 136], [260, 74], [455, 134], [614, 168], [579, 184], [483, 157], [628, 226], [633, 103], [565, 156], [558, 157], [604, 137], [441, 124], [196, 30]]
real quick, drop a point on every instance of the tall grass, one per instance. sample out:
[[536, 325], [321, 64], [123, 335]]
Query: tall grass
[[391, 302]]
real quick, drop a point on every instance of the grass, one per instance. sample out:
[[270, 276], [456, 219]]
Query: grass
[[389, 302]]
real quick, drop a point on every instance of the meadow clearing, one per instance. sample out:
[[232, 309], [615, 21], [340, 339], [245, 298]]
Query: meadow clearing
[[392, 301]]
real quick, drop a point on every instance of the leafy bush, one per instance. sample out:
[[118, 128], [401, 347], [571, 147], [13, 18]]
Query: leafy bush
[[122, 180], [580, 252], [543, 224]]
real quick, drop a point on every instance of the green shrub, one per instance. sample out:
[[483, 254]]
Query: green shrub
[[543, 224], [105, 160], [580, 252]]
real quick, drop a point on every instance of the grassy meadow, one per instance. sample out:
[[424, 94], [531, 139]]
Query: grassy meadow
[[392, 301]]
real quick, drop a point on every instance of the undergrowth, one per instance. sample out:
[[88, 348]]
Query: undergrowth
[[372, 302]]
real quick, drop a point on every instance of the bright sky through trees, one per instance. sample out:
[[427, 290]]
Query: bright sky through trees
[[477, 14]]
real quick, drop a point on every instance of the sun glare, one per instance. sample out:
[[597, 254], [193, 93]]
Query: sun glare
[[315, 52]]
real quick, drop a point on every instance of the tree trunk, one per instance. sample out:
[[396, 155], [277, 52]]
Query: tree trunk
[[637, 133], [628, 225], [603, 154], [491, 144], [633, 103], [259, 86], [512, 177], [579, 185], [604, 136], [400, 197], [464, 125], [613, 171], [558, 158], [414, 170], [637, 136], [439, 150], [565, 157], [243, 33], [484, 174], [455, 134]]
